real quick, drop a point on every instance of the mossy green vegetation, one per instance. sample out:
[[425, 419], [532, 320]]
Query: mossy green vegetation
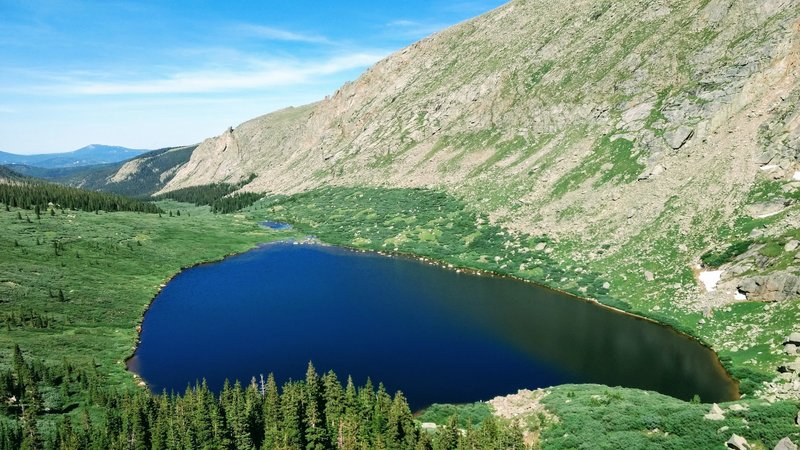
[[638, 419], [717, 258], [471, 414], [612, 160], [425, 223]]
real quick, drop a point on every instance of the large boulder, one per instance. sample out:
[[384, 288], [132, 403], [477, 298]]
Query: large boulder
[[678, 137], [793, 338], [786, 444], [792, 367], [737, 442], [715, 413]]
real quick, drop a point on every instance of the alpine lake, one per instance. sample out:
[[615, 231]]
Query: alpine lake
[[438, 335]]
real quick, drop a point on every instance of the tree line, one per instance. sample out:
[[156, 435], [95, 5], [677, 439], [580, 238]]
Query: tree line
[[41, 196], [219, 196], [316, 413]]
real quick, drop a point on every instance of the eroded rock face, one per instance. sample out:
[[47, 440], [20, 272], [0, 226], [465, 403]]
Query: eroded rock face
[[778, 286]]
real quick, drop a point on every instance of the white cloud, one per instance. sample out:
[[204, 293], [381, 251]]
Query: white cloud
[[278, 34], [256, 75]]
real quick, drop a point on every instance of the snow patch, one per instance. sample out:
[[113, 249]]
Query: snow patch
[[769, 167], [710, 278], [740, 296], [796, 176]]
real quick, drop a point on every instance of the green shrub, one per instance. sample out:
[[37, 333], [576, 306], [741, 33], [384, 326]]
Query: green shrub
[[715, 259], [771, 250]]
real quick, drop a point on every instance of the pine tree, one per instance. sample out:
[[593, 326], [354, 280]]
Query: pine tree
[[400, 429], [447, 436], [292, 427]]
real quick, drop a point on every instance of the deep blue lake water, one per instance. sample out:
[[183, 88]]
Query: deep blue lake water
[[437, 335]]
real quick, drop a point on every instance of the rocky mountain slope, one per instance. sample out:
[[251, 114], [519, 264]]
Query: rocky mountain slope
[[613, 111], [645, 138]]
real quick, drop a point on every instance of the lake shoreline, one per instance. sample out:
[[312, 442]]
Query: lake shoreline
[[428, 261]]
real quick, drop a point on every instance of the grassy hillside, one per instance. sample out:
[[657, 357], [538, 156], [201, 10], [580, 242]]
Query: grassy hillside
[[109, 266]]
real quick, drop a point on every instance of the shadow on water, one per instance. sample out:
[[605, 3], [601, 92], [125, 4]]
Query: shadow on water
[[437, 335]]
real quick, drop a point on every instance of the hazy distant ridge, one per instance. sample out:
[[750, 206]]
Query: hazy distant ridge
[[86, 156]]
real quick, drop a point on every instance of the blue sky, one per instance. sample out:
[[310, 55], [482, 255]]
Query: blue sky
[[152, 74]]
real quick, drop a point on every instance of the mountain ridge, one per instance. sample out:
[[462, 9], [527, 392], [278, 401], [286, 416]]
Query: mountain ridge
[[85, 156]]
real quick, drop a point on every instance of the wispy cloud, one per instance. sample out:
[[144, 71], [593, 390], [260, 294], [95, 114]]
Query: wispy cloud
[[278, 34], [259, 75]]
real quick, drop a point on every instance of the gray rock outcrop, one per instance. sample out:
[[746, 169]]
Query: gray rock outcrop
[[774, 287], [793, 338]]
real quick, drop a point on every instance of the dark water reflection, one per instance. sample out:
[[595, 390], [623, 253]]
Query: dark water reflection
[[437, 335]]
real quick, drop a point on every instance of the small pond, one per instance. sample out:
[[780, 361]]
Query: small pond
[[279, 226], [437, 335]]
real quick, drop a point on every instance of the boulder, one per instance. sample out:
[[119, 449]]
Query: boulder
[[785, 444], [429, 426], [790, 349], [715, 413], [649, 275], [737, 442], [791, 245], [793, 338], [676, 138], [792, 367]]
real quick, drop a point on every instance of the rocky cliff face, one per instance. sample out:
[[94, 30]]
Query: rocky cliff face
[[622, 125]]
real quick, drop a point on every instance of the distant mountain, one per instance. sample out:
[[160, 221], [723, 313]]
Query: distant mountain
[[139, 176], [86, 156], [7, 174]]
